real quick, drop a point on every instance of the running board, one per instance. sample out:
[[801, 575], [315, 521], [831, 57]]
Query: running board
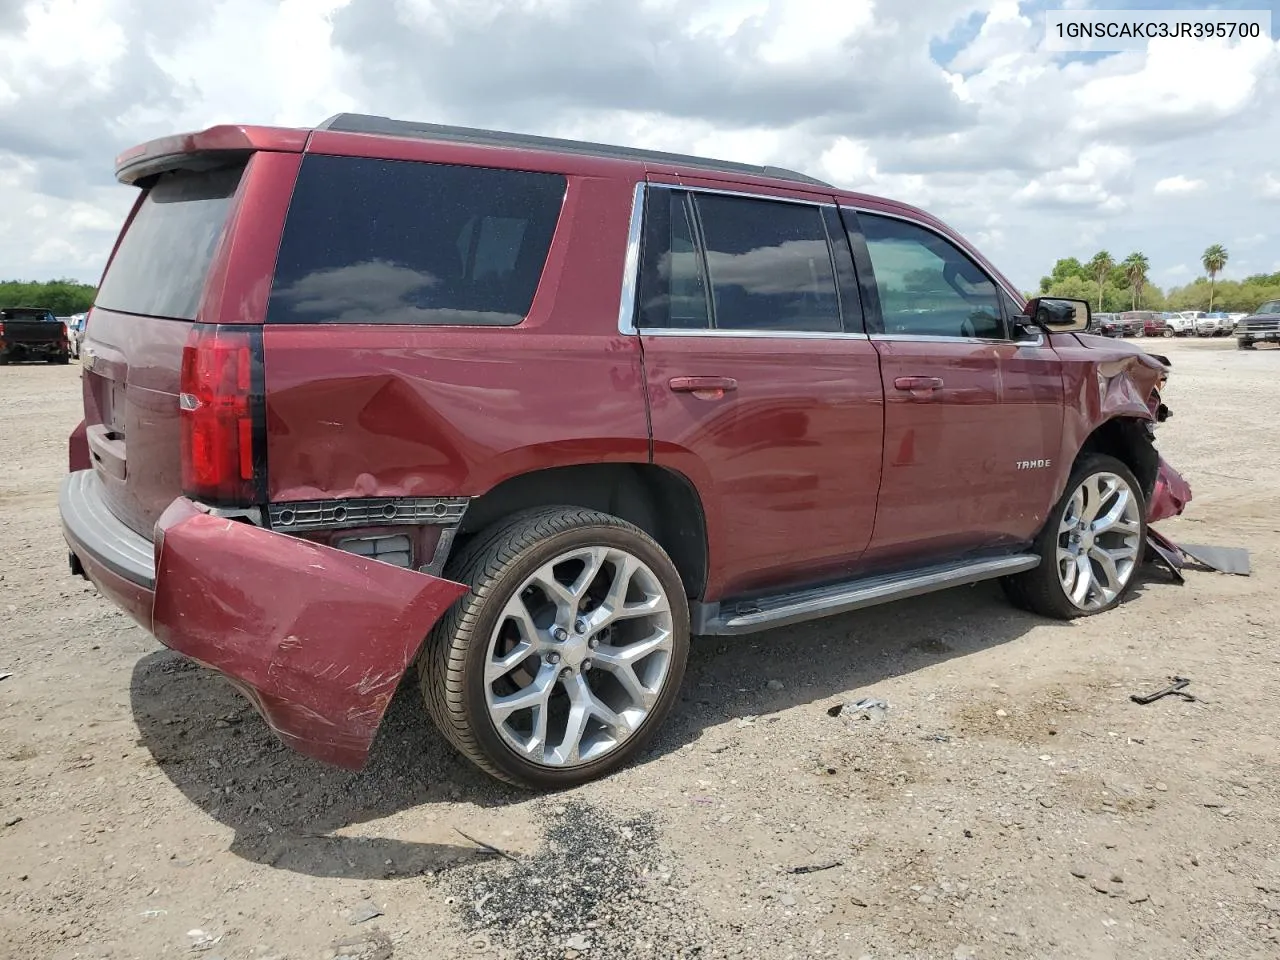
[[781, 610]]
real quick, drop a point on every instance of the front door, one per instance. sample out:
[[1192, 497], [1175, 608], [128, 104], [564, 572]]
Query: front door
[[973, 417], [764, 390]]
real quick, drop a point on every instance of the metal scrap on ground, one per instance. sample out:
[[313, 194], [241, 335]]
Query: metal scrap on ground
[[1223, 559], [1173, 690]]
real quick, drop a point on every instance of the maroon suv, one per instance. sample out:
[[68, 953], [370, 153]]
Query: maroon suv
[[524, 414]]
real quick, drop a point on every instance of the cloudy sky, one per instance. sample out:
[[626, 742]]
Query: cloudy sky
[[950, 104]]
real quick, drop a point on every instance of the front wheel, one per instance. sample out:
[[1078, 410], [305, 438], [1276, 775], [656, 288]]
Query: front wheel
[[568, 652], [1089, 547], [1244, 344]]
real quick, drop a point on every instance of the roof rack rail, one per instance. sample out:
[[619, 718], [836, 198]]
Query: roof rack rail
[[385, 126]]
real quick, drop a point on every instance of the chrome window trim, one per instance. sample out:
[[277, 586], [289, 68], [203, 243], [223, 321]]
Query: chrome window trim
[[766, 334], [631, 272], [869, 211], [631, 263], [939, 338], [743, 193]]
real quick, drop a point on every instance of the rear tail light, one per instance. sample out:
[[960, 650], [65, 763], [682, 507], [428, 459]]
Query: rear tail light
[[223, 416]]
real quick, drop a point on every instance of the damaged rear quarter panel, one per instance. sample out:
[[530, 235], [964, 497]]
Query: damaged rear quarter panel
[[318, 639]]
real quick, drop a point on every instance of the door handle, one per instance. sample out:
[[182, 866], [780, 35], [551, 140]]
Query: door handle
[[705, 388], [915, 384]]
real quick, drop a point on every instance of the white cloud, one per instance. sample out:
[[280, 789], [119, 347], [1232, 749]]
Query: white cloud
[[1178, 184], [1033, 156]]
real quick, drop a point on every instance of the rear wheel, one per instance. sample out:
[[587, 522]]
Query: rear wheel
[[568, 652], [1090, 546], [1244, 344]]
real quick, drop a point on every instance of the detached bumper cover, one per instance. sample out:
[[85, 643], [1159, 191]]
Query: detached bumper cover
[[316, 638]]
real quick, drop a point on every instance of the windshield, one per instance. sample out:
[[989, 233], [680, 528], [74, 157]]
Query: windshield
[[1271, 306]]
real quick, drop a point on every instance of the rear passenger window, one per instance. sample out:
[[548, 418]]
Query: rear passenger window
[[927, 286], [769, 265], [673, 291], [386, 241]]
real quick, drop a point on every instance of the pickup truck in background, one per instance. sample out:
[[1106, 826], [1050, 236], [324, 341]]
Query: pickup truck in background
[[1261, 326], [32, 333]]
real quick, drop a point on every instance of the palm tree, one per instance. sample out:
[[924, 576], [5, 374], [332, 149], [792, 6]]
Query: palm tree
[[1100, 268], [1135, 269], [1214, 259]]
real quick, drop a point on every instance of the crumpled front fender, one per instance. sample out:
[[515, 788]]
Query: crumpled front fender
[[318, 639]]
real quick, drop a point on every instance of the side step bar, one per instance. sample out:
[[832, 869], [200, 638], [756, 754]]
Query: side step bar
[[781, 610]]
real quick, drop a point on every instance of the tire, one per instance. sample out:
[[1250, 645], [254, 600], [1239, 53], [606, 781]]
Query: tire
[[1244, 344], [1042, 590], [1167, 332], [505, 567]]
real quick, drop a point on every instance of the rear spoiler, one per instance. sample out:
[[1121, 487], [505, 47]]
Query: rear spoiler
[[205, 149]]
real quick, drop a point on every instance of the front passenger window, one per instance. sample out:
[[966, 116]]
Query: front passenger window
[[927, 286]]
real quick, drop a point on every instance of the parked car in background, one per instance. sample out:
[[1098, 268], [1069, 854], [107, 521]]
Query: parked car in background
[[1210, 325], [75, 331], [1133, 323], [1108, 324], [599, 401], [1154, 325], [32, 333], [1225, 323], [1180, 325], [1261, 326]]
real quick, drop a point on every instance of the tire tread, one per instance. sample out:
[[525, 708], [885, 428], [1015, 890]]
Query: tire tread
[[483, 565]]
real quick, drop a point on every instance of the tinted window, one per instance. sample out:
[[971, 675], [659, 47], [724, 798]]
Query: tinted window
[[380, 241], [769, 265], [926, 285], [160, 266], [673, 291]]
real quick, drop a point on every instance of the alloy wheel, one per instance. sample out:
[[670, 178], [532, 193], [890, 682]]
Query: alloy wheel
[[1098, 540], [579, 657]]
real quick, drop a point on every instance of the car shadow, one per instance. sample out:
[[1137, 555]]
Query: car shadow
[[289, 811], [296, 814]]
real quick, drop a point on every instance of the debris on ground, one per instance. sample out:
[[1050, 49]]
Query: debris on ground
[[1234, 560], [486, 847], [5, 676], [1175, 689], [868, 708], [371, 946], [601, 882], [1167, 554], [816, 867], [364, 914]]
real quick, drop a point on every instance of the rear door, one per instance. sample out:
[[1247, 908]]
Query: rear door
[[763, 387], [973, 416], [132, 351]]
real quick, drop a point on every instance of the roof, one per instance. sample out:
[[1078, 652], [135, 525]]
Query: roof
[[384, 126]]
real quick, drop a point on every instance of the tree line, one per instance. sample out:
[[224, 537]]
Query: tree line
[[63, 297], [1113, 287]]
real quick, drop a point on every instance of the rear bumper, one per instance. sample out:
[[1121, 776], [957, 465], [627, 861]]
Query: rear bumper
[[316, 639]]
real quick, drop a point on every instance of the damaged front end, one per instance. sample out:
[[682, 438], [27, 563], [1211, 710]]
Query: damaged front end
[[317, 638]]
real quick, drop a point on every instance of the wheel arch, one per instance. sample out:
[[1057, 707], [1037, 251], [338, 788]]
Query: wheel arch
[[1129, 440], [661, 502]]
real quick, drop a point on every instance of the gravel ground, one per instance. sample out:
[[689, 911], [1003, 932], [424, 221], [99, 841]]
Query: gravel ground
[[1012, 803]]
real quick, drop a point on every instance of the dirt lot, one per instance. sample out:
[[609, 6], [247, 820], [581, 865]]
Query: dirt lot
[[1013, 802]]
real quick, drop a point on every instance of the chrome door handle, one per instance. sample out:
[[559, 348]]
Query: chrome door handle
[[918, 383], [696, 384]]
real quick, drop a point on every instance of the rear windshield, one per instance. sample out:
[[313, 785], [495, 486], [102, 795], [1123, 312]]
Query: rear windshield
[[388, 241], [159, 269]]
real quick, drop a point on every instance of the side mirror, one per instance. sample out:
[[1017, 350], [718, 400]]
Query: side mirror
[[1058, 315]]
